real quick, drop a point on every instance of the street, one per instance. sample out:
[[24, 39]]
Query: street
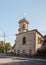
[[10, 60]]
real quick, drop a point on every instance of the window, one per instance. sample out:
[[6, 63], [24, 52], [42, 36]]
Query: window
[[30, 51], [23, 51], [23, 25], [24, 40], [18, 52], [40, 40]]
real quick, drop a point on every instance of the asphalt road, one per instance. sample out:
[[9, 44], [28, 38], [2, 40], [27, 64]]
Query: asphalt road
[[9, 60]]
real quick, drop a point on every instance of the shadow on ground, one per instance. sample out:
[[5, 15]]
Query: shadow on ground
[[26, 63]]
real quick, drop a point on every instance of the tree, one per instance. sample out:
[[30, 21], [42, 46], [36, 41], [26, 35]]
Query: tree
[[8, 47], [1, 46], [41, 51]]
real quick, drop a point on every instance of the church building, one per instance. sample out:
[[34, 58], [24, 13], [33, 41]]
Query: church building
[[27, 41]]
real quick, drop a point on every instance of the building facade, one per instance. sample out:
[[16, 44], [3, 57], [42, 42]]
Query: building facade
[[27, 42]]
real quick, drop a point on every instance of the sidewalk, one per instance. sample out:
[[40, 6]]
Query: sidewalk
[[37, 59]]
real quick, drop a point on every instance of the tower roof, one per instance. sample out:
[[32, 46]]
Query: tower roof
[[23, 20]]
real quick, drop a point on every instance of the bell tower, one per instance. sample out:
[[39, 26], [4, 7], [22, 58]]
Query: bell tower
[[23, 25]]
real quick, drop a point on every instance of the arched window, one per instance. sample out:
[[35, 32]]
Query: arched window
[[24, 40], [23, 25]]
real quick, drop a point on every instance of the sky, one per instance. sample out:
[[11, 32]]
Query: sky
[[11, 11]]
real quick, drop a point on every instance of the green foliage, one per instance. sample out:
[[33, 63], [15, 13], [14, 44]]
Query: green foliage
[[41, 51], [1, 46], [8, 47]]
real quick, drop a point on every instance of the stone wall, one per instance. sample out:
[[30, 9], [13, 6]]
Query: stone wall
[[30, 42]]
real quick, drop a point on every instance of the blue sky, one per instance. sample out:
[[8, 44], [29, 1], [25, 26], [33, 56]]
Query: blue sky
[[11, 11]]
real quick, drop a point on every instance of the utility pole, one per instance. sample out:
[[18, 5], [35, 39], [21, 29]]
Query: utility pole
[[3, 34], [4, 38], [4, 41]]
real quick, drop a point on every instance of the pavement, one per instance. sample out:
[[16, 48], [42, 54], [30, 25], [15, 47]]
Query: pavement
[[10, 60]]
